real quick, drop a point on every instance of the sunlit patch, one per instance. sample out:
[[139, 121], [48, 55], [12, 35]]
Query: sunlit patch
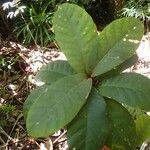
[[39, 83], [2, 101], [37, 123], [134, 41], [134, 28], [124, 39], [148, 113], [131, 40]]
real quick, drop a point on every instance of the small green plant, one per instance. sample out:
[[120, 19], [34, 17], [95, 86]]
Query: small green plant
[[88, 94], [33, 20], [35, 26], [6, 112], [138, 9]]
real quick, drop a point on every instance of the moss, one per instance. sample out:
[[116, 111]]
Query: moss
[[6, 111]]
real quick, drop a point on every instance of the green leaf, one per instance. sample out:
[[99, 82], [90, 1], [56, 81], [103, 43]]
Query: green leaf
[[143, 128], [125, 65], [54, 71], [77, 36], [129, 88], [123, 133], [35, 95], [48, 74], [57, 105], [88, 131], [118, 42], [135, 112]]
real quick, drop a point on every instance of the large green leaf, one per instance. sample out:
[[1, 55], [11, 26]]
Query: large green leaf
[[135, 112], [143, 128], [57, 105], [54, 71], [125, 65], [88, 131], [118, 42], [35, 95], [77, 36], [48, 74], [123, 133], [129, 88]]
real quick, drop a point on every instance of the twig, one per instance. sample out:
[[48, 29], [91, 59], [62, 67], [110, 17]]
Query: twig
[[60, 137], [20, 116], [7, 144], [2, 140], [3, 132]]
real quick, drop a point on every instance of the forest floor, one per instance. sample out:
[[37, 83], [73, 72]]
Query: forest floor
[[18, 66]]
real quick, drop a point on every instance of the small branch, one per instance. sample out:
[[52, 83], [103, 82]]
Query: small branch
[[60, 137]]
